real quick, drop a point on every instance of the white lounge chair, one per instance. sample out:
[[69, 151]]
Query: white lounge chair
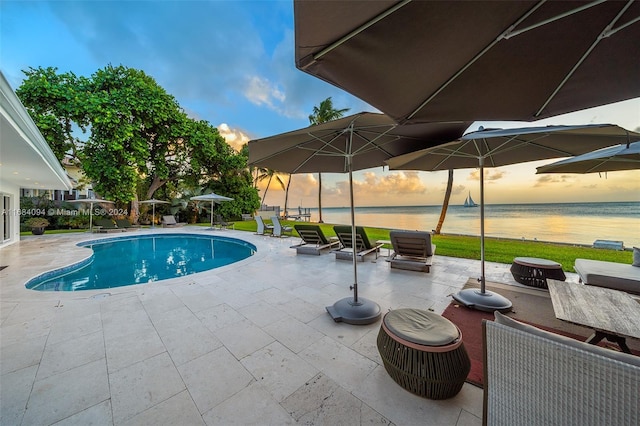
[[280, 229], [262, 227]]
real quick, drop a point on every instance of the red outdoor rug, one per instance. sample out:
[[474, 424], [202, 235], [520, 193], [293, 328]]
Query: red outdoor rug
[[532, 306]]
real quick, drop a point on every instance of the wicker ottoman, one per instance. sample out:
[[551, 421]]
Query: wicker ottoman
[[423, 352], [534, 272]]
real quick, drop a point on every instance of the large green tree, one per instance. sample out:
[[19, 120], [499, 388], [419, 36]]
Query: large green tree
[[321, 114], [122, 128]]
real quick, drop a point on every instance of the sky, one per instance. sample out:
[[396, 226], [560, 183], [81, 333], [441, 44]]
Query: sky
[[231, 63]]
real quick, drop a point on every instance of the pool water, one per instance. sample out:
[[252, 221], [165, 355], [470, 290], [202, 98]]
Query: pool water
[[123, 261]]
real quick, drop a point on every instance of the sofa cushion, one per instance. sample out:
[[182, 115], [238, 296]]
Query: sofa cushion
[[618, 276]]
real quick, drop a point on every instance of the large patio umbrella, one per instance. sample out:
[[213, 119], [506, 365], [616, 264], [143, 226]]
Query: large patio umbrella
[[153, 203], [214, 198], [91, 202], [356, 142], [479, 60], [613, 158], [501, 147]]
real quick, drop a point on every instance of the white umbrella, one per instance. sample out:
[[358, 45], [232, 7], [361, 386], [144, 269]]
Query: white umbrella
[[501, 147], [214, 198], [91, 202], [613, 158], [153, 203]]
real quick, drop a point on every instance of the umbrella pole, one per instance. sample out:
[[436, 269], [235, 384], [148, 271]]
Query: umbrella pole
[[353, 237], [153, 215], [481, 299], [482, 278], [90, 217], [353, 310]]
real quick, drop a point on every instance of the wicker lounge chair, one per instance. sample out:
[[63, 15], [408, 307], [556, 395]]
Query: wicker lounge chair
[[279, 229], [362, 244], [412, 250], [313, 240]]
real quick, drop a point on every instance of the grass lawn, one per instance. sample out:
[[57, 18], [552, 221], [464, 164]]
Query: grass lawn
[[496, 249], [468, 247]]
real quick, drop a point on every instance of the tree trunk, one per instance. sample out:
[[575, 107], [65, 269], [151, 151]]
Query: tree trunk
[[445, 202], [266, 189], [320, 198], [286, 197]]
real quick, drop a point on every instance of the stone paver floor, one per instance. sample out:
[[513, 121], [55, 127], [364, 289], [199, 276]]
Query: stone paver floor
[[249, 343]]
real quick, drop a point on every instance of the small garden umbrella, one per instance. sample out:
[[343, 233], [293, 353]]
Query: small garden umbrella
[[153, 203], [214, 198], [91, 202]]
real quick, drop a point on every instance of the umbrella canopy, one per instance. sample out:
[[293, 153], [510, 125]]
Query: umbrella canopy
[[356, 142], [500, 147], [479, 60], [214, 198], [91, 202], [613, 158], [153, 203], [367, 138]]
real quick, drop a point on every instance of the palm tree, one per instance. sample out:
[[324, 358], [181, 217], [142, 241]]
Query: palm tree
[[321, 114], [269, 174], [445, 203]]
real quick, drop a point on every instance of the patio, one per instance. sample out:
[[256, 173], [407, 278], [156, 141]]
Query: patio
[[248, 343]]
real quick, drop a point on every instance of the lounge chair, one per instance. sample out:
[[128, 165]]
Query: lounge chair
[[412, 250], [280, 229], [362, 245], [106, 225], [126, 225], [313, 240], [170, 222], [222, 223], [262, 227]]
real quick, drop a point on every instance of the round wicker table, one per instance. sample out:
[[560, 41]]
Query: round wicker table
[[423, 352]]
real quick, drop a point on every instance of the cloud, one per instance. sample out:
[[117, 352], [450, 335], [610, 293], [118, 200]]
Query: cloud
[[489, 175], [234, 137], [547, 179]]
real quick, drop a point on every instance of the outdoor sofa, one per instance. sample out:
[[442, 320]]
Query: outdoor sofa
[[617, 276], [534, 377]]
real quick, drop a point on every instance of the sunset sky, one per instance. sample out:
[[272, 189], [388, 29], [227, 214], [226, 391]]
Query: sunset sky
[[232, 64]]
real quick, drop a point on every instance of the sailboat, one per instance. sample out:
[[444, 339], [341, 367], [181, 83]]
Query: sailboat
[[469, 201]]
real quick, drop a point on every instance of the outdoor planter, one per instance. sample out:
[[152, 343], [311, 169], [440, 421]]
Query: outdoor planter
[[37, 225]]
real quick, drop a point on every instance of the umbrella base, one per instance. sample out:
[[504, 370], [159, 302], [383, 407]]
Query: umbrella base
[[359, 313], [488, 301]]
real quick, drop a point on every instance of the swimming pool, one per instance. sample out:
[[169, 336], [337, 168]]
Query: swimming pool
[[123, 261]]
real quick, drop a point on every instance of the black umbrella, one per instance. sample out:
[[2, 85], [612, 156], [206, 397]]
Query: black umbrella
[[501, 147], [473, 60], [360, 141]]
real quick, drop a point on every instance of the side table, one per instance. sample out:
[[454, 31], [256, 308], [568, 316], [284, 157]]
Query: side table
[[534, 272]]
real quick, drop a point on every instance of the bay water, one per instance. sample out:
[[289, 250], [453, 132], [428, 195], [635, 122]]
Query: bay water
[[573, 223]]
